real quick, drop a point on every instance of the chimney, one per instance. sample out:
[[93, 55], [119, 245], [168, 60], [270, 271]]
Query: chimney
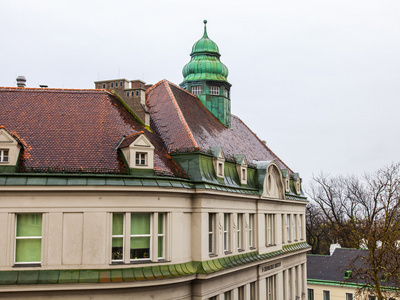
[[333, 247], [21, 81]]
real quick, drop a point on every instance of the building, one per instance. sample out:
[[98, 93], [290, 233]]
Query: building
[[329, 277], [99, 200]]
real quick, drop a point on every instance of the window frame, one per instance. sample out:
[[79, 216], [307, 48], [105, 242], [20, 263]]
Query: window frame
[[154, 236], [226, 233], [211, 234], [310, 294], [288, 228], [214, 90], [326, 295], [251, 231], [141, 158], [269, 230], [104, 85], [4, 156], [239, 232], [197, 90], [27, 237], [349, 296]]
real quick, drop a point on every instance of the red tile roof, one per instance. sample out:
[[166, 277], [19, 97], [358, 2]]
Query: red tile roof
[[74, 129], [184, 122]]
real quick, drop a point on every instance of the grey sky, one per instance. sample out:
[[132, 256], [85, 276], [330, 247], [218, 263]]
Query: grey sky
[[318, 80]]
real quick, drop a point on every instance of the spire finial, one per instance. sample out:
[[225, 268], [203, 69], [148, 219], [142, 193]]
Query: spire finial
[[205, 28]]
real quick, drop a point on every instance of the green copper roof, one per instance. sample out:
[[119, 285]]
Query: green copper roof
[[205, 63]]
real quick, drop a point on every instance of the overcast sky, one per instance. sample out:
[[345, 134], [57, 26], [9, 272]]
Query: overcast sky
[[318, 80]]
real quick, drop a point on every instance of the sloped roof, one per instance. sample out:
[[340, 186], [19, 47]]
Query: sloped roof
[[183, 122], [74, 129]]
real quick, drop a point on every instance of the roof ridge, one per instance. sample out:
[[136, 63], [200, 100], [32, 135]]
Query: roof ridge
[[19, 89], [181, 117], [265, 145], [155, 85], [186, 91]]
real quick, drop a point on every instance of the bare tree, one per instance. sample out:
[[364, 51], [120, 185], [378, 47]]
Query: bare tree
[[364, 213]]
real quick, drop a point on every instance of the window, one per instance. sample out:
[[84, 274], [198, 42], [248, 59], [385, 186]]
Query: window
[[327, 295], [294, 228], [213, 298], [197, 90], [241, 293], [112, 84], [251, 230], [116, 84], [214, 90], [226, 231], [28, 238], [300, 222], [310, 294], [227, 295], [349, 296], [132, 93], [270, 229], [347, 274], [117, 250], [104, 85], [140, 235], [253, 290], [288, 228], [239, 231], [137, 93], [226, 93], [244, 177], [4, 155], [141, 159], [220, 169], [120, 83], [371, 297], [211, 233], [127, 94], [271, 287]]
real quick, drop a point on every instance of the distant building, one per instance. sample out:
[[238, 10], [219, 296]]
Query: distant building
[[131, 191], [330, 278]]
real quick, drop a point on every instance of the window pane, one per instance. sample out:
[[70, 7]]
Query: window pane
[[28, 250], [140, 223], [160, 246], [140, 247], [117, 249], [29, 225], [118, 224]]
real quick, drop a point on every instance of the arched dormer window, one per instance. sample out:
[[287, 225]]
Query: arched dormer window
[[271, 180]]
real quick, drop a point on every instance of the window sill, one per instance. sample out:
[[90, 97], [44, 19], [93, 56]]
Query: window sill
[[26, 265], [213, 255], [240, 250], [270, 245], [227, 252], [253, 248]]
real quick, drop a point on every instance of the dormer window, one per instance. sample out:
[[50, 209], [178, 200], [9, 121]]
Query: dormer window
[[241, 167], [138, 151], [214, 90], [141, 159], [3, 155], [287, 185], [244, 174], [220, 169], [197, 90], [298, 187]]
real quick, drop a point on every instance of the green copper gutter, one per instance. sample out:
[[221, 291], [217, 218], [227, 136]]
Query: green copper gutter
[[141, 273]]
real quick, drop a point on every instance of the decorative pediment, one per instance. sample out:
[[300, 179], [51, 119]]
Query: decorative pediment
[[10, 149], [270, 178], [138, 151]]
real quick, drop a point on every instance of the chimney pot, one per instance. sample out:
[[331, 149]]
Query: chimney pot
[[21, 81]]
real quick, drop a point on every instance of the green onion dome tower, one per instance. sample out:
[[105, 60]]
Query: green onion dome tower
[[206, 77]]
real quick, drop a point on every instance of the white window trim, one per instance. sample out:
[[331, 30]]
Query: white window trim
[[239, 231], [5, 159], [251, 231], [212, 217], [197, 90], [227, 232], [153, 247], [214, 90]]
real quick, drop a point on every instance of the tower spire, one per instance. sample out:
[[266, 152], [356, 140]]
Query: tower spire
[[205, 29]]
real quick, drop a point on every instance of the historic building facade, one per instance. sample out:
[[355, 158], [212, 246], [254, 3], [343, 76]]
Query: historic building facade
[[142, 192]]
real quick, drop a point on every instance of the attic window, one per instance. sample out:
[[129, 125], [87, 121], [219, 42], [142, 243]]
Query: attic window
[[197, 90], [214, 90], [220, 169], [141, 159], [347, 274], [3, 155]]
